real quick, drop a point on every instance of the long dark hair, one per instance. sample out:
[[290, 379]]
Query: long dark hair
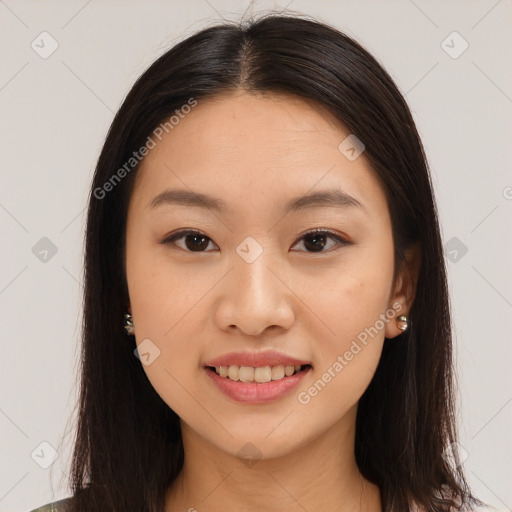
[[128, 447]]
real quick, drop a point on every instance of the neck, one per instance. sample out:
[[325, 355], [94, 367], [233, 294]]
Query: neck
[[318, 476]]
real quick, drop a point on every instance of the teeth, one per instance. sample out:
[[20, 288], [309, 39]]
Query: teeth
[[259, 374]]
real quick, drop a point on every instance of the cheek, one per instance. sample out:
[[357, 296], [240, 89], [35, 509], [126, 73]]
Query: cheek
[[168, 302], [165, 316], [352, 310], [348, 351], [354, 296], [163, 295]]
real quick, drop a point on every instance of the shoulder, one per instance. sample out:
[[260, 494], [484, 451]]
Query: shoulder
[[54, 506]]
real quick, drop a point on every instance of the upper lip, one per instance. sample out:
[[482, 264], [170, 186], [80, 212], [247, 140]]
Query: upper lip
[[255, 359]]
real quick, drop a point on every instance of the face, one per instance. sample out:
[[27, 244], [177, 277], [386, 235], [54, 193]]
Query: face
[[253, 277]]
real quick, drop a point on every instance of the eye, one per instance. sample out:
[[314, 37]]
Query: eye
[[196, 241], [316, 239]]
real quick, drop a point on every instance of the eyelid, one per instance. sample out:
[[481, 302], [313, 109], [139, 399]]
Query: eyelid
[[325, 231]]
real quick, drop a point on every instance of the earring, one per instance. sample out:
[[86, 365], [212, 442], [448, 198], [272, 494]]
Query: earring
[[402, 322], [128, 324]]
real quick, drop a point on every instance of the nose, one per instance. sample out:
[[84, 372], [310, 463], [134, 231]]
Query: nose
[[255, 297]]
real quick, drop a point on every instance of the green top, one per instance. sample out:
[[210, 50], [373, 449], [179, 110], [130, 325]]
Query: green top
[[54, 506]]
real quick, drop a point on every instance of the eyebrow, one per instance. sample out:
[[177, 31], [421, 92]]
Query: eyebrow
[[324, 198]]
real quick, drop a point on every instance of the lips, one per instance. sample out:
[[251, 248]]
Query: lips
[[255, 359], [255, 393]]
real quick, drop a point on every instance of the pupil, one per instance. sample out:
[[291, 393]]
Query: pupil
[[193, 247], [315, 239]]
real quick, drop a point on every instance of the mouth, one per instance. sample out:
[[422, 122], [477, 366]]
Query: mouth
[[257, 385], [259, 374]]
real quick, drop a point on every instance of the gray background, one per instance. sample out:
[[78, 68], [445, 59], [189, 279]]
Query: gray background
[[55, 114]]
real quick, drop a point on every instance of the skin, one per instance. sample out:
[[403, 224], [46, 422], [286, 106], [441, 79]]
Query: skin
[[257, 152]]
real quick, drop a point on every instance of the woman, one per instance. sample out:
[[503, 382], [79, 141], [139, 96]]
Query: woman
[[262, 219]]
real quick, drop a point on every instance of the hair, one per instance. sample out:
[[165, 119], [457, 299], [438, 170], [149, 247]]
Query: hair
[[411, 396]]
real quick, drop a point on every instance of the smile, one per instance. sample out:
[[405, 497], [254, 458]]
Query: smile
[[241, 385]]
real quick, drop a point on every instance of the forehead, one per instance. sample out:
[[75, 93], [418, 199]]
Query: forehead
[[259, 148], [271, 125]]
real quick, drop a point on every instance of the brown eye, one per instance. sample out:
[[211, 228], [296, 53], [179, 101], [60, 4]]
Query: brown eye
[[317, 240], [314, 241], [194, 241]]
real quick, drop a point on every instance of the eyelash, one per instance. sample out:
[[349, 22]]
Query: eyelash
[[319, 231]]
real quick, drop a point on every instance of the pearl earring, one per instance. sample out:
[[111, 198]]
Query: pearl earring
[[128, 324], [402, 322]]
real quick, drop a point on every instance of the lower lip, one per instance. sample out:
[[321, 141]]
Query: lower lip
[[256, 392]]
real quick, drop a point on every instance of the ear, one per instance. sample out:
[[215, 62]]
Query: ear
[[405, 288], [129, 308]]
